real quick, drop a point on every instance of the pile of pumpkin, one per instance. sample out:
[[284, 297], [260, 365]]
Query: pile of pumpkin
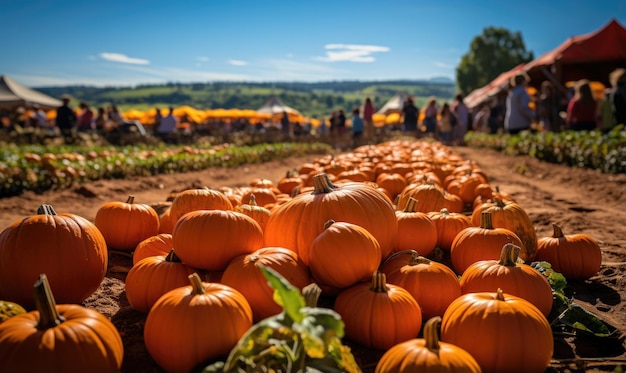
[[386, 231]]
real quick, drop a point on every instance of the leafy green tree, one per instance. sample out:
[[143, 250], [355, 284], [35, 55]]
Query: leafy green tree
[[493, 52]]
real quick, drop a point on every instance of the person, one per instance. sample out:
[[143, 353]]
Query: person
[[582, 108], [606, 120], [357, 126], [284, 124], [101, 120], [410, 113], [38, 118], [445, 124], [85, 118], [618, 95], [461, 114], [548, 108], [66, 120], [157, 120], [341, 122], [518, 114], [368, 119], [430, 116], [480, 122], [167, 129], [322, 130], [115, 117]]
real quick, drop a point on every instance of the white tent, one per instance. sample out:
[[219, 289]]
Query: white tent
[[13, 94], [394, 105], [275, 106]]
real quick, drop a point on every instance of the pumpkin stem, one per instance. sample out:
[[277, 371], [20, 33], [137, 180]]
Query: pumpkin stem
[[509, 255], [322, 184], [295, 191], [46, 209], [328, 223], [486, 221], [431, 333], [558, 232], [172, 257], [499, 294], [252, 201], [411, 205], [444, 211], [499, 202], [379, 283], [414, 256], [130, 200], [49, 316], [196, 284], [311, 294]]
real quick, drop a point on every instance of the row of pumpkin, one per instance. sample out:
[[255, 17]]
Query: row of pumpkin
[[361, 225]]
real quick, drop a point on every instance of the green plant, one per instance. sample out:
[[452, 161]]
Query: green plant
[[302, 338]]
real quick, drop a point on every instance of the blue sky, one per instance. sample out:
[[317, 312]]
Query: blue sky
[[122, 43]]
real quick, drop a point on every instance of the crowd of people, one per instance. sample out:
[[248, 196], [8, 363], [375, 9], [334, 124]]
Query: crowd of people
[[554, 108]]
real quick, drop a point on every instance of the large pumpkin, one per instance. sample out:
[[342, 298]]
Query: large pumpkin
[[342, 255], [195, 323], [480, 243], [295, 224], [519, 279], [198, 199], [510, 215], [244, 275], [379, 315], [499, 330], [433, 285], [210, 239], [576, 256], [126, 224], [59, 338], [154, 276], [427, 354], [69, 249]]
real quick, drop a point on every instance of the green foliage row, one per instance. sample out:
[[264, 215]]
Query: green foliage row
[[70, 165], [311, 99], [588, 149]]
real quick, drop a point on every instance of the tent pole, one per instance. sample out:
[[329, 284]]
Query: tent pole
[[554, 80]]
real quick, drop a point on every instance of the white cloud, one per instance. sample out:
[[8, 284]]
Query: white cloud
[[351, 52], [237, 62], [118, 57], [202, 59]]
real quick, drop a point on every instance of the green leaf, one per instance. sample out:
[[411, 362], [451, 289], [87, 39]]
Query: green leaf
[[583, 320], [557, 280], [285, 294], [317, 328]]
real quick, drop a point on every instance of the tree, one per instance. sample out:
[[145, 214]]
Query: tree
[[493, 52]]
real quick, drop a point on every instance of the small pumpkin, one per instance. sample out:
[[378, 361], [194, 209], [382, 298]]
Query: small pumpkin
[[260, 214], [576, 256], [427, 354], [9, 309], [416, 231], [195, 323], [158, 245], [448, 224], [126, 224], [379, 315], [59, 338], [497, 329]]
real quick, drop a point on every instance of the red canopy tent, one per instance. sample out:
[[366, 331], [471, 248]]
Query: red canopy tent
[[591, 56]]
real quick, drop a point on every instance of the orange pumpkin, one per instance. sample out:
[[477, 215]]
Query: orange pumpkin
[[195, 323], [158, 245], [244, 275], [480, 243], [519, 279], [576, 256], [296, 223], [427, 354], [260, 214], [59, 338], [510, 215], [198, 199], [166, 225], [497, 330], [379, 315], [448, 224], [342, 255], [210, 239], [433, 285], [126, 224], [69, 249], [416, 231], [154, 276]]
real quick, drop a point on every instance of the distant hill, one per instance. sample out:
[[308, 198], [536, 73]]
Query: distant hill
[[316, 99]]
